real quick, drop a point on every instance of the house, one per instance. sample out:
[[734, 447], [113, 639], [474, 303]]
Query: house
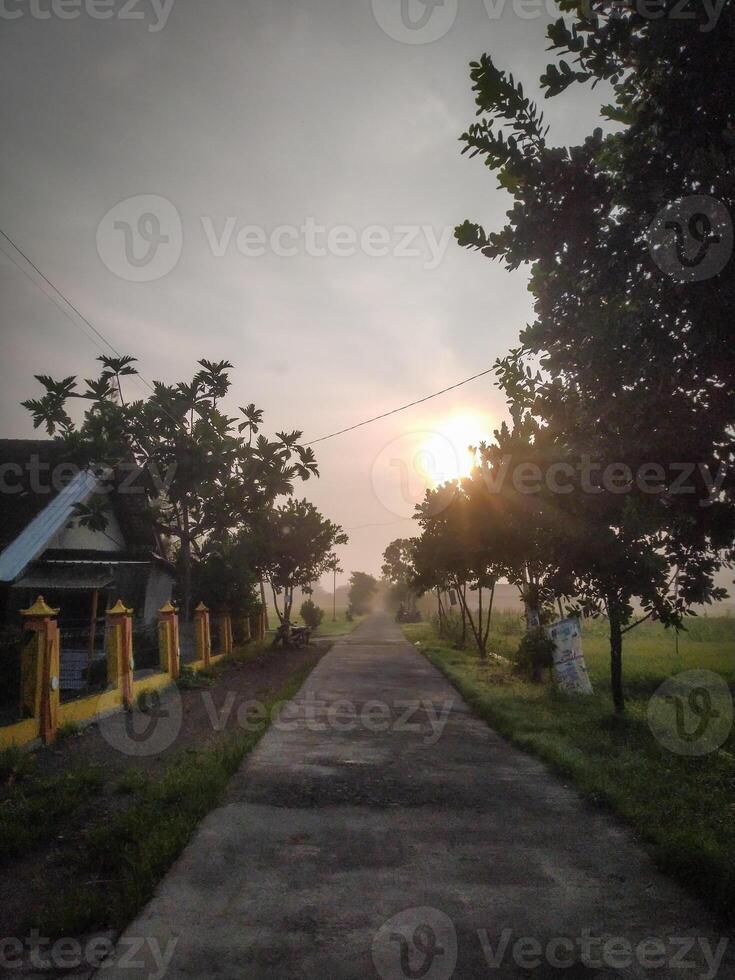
[[46, 550]]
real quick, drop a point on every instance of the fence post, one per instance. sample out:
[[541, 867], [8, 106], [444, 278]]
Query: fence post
[[202, 635], [40, 668], [225, 634], [120, 664], [257, 624], [168, 640]]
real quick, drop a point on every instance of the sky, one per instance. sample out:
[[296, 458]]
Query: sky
[[274, 184]]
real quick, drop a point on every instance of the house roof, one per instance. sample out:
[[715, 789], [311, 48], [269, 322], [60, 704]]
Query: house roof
[[24, 495], [67, 577], [38, 493]]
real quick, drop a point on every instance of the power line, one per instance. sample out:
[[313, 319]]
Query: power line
[[402, 408], [57, 291], [101, 336], [401, 520], [95, 331]]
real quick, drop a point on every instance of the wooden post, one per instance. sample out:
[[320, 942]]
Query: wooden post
[[202, 635], [257, 623], [225, 634], [40, 668], [120, 664], [168, 640]]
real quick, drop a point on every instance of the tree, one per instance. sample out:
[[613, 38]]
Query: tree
[[457, 549], [333, 566], [210, 473], [363, 589], [223, 576], [399, 569], [291, 547], [311, 614], [624, 363]]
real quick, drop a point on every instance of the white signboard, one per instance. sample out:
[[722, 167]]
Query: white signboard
[[570, 670]]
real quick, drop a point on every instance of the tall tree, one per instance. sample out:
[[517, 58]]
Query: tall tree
[[631, 360]]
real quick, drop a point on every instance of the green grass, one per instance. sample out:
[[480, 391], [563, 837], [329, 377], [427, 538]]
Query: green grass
[[38, 809], [340, 627], [683, 808], [15, 763], [119, 861]]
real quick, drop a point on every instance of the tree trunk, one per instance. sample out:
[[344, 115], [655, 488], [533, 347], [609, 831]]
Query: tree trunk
[[275, 605], [481, 634], [265, 604], [462, 595], [489, 616], [440, 609], [616, 655], [470, 620]]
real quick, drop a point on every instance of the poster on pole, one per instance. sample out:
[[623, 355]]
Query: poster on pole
[[570, 670]]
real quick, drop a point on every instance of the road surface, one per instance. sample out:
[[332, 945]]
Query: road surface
[[382, 831]]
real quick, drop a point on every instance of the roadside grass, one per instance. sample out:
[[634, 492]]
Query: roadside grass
[[339, 627], [121, 859], [15, 763], [37, 810], [683, 808]]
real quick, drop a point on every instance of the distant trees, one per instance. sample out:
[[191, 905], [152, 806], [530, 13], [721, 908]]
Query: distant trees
[[399, 570], [625, 380], [362, 592]]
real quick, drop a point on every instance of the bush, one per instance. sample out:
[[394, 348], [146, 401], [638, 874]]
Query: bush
[[535, 654], [311, 614]]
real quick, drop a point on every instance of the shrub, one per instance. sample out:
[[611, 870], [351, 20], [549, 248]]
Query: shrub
[[311, 614], [535, 654]]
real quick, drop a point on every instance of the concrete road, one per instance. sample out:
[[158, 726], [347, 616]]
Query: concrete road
[[380, 830]]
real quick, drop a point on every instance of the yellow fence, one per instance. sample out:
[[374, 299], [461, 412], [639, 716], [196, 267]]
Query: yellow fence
[[40, 667]]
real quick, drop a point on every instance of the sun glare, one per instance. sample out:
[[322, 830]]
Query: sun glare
[[446, 451]]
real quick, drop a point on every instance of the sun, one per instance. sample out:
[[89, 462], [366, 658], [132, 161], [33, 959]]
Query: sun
[[448, 445]]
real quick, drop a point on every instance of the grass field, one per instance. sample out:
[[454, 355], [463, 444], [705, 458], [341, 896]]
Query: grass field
[[684, 808], [340, 626]]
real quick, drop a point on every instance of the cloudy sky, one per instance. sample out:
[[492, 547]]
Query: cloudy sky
[[273, 183]]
